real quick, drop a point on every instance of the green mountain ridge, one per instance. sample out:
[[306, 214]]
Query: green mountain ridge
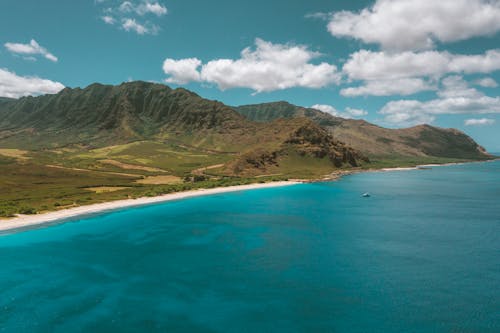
[[103, 115]]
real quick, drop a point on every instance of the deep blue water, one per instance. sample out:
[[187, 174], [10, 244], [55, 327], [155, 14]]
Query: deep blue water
[[422, 254]]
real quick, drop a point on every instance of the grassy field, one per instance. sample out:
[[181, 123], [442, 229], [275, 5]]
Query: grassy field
[[401, 162], [39, 181]]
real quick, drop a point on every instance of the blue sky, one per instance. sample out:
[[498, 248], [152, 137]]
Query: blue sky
[[393, 62]]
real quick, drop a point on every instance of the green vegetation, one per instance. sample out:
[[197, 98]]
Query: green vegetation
[[30, 188], [402, 162]]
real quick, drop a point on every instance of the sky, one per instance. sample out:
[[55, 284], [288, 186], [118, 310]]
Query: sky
[[396, 63]]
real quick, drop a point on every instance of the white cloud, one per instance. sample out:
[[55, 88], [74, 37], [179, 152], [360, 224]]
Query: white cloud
[[480, 63], [318, 15], [325, 108], [32, 48], [143, 8], [455, 97], [182, 71], [456, 87], [153, 8], [369, 65], [14, 86], [348, 112], [130, 24], [268, 67], [405, 73], [126, 7], [486, 82], [405, 86], [418, 24], [406, 113], [108, 19], [479, 122], [354, 112], [132, 15]]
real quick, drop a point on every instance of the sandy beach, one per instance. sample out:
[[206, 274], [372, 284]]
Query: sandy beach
[[29, 221], [400, 169]]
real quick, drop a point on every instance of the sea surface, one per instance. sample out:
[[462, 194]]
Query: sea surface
[[422, 254]]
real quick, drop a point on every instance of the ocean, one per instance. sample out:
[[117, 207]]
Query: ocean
[[421, 254]]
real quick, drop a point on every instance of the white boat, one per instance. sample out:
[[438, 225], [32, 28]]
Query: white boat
[[366, 195]]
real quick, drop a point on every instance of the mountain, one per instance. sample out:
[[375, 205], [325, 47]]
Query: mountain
[[372, 140], [266, 112], [103, 115], [270, 138]]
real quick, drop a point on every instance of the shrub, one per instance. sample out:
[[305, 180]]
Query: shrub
[[27, 210], [199, 178], [6, 213]]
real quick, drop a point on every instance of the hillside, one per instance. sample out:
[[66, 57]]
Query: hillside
[[103, 114], [375, 141]]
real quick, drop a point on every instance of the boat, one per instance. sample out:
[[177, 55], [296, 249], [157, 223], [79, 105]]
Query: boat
[[366, 195]]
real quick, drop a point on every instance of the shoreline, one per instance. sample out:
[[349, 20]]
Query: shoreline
[[27, 222]]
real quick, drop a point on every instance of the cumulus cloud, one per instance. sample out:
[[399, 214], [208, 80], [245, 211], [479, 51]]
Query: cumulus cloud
[[369, 65], [479, 122], [132, 15], [143, 8], [15, 86], [31, 48], [153, 8], [417, 24], [129, 24], [325, 108], [354, 112], [404, 86], [347, 113], [486, 82], [108, 19], [455, 87], [267, 67], [455, 97], [405, 73], [182, 71]]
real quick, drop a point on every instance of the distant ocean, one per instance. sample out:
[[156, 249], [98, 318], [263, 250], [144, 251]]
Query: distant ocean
[[422, 254]]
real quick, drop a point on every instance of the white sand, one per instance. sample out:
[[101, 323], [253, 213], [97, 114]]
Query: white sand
[[27, 221], [399, 169]]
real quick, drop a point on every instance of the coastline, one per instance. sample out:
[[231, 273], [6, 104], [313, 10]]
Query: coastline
[[26, 222]]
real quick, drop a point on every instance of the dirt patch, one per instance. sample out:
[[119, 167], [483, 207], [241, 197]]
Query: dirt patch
[[104, 189], [131, 166], [270, 175], [88, 170], [15, 153], [200, 171], [160, 180]]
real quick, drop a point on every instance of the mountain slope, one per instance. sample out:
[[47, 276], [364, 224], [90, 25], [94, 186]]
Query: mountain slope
[[373, 140], [102, 115]]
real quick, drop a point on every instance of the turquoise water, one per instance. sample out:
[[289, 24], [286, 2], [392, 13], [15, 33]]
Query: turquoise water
[[422, 254]]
